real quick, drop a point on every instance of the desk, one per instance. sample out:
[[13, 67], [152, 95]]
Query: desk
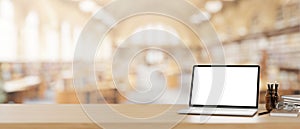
[[16, 89], [73, 117], [21, 84]]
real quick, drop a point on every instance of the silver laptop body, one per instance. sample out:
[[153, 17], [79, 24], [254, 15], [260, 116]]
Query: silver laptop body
[[224, 90]]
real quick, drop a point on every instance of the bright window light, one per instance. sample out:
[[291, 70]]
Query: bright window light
[[8, 32], [87, 6], [66, 42], [31, 37], [213, 6], [52, 45], [154, 56], [7, 9], [8, 41]]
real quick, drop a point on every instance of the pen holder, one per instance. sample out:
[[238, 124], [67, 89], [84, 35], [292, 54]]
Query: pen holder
[[268, 99], [271, 96]]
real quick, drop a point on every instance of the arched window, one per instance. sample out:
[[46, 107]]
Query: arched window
[[66, 42], [52, 44], [31, 37], [8, 32]]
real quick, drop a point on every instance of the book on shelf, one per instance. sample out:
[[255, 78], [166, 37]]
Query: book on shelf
[[284, 113]]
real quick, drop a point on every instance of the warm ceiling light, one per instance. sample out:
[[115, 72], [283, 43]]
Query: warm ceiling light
[[87, 6], [213, 6], [200, 17]]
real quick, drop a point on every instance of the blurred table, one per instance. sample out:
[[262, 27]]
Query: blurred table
[[16, 89], [73, 116]]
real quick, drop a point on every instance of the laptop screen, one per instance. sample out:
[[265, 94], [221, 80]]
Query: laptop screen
[[225, 86]]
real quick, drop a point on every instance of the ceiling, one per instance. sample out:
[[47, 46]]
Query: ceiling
[[234, 19]]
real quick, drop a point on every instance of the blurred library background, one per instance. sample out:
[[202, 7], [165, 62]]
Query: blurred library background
[[38, 39]]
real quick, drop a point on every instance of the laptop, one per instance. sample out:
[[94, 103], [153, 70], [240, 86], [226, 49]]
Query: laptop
[[224, 90]]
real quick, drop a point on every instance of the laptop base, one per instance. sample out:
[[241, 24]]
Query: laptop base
[[218, 111]]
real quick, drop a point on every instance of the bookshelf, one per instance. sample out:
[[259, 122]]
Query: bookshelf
[[276, 48]]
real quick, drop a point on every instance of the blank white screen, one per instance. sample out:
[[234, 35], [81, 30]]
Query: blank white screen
[[239, 87]]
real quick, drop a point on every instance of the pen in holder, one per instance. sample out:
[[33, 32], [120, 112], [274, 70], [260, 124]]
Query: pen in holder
[[275, 95], [268, 98], [272, 96]]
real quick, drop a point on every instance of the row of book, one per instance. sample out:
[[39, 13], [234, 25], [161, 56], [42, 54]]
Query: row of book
[[292, 99]]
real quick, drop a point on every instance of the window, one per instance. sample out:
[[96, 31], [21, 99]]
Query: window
[[8, 32], [66, 42], [31, 37], [52, 45]]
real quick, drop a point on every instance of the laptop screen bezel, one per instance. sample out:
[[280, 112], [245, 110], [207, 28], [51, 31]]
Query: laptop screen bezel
[[225, 106]]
